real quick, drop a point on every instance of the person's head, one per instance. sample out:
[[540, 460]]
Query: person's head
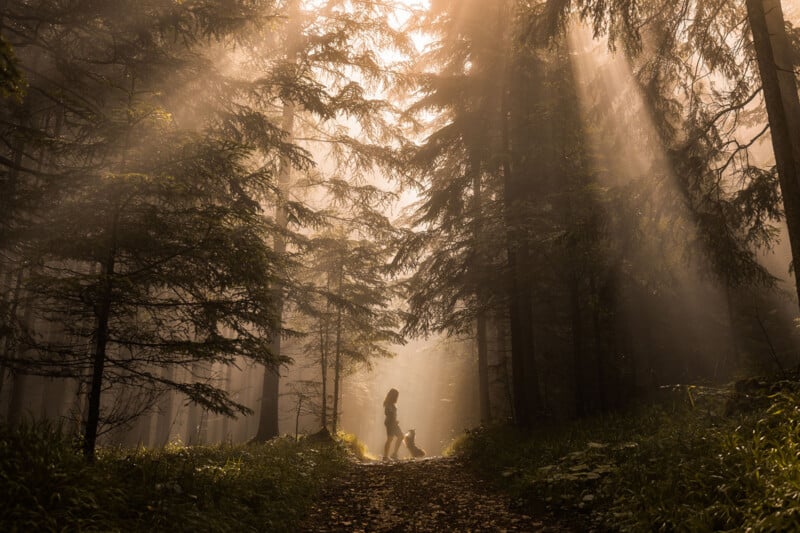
[[391, 397]]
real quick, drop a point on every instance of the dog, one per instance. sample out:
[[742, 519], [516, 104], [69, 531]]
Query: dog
[[415, 450]]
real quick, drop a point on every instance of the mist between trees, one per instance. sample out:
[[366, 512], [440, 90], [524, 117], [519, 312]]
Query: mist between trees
[[222, 220]]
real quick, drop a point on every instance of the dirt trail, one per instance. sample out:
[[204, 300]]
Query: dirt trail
[[435, 494]]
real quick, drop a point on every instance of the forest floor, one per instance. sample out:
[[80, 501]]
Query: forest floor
[[431, 494]]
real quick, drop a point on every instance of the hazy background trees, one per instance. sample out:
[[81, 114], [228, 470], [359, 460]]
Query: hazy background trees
[[209, 204]]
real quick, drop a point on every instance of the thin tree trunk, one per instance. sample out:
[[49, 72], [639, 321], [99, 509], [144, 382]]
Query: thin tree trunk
[[225, 423], [773, 54], [194, 419], [19, 385], [8, 344], [483, 367], [324, 350], [600, 360], [503, 361], [577, 342], [323, 362], [337, 371], [99, 359], [164, 423], [480, 296], [297, 417]]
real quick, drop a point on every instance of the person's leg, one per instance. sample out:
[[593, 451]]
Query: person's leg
[[386, 447], [398, 439]]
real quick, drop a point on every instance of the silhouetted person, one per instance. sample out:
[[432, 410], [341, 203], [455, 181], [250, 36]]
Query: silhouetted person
[[392, 425]]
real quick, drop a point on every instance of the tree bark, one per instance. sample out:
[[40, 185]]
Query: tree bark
[[337, 365], [783, 109], [14, 295], [268, 414], [577, 339], [599, 345], [164, 423], [480, 296], [525, 380], [101, 340], [324, 350]]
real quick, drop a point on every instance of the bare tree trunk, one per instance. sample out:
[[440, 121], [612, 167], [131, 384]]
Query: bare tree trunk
[[775, 65]]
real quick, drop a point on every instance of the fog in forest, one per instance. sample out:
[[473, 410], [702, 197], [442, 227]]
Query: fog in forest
[[403, 195]]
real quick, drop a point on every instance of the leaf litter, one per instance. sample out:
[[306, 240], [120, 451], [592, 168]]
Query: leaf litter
[[434, 494]]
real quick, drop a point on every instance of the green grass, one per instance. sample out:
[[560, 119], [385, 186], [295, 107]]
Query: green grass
[[677, 466], [45, 485]]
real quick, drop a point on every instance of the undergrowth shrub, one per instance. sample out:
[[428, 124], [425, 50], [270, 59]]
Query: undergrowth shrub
[[45, 485], [353, 445], [681, 466]]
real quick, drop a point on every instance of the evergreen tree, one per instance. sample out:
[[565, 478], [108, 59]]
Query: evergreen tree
[[327, 86], [150, 234]]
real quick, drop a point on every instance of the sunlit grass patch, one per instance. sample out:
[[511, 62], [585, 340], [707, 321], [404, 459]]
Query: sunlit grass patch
[[685, 466], [354, 446], [46, 485]]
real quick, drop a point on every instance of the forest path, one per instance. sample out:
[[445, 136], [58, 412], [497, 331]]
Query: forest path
[[432, 494]]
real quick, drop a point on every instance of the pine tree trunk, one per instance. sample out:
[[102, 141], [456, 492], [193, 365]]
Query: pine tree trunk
[[194, 419], [599, 346], [323, 361], [270, 385], [337, 372], [225, 424], [164, 423], [577, 341], [297, 417], [19, 385], [773, 54], [483, 367], [525, 380], [99, 358], [324, 350], [194, 425], [480, 295], [268, 415], [7, 344]]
